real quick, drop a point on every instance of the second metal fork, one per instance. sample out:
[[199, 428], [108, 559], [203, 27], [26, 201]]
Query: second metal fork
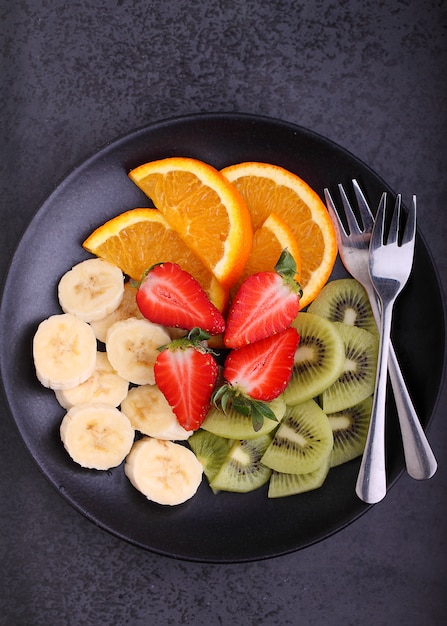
[[354, 252]]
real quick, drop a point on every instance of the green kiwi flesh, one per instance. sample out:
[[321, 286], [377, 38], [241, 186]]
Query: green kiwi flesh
[[319, 358], [211, 451], [350, 429], [234, 425], [357, 378], [345, 300], [281, 484], [242, 470], [302, 442]]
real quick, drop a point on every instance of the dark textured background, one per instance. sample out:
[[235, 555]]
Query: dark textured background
[[369, 75]]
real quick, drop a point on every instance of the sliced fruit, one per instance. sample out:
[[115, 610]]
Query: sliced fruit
[[281, 485], [269, 241], [269, 189], [163, 471], [132, 348], [91, 289], [172, 297], [105, 386], [211, 450], [357, 378], [96, 436], [127, 308], [345, 300], [64, 351], [265, 304], [235, 425], [302, 442], [318, 359], [139, 238], [203, 208], [350, 429], [150, 414], [242, 470], [186, 374]]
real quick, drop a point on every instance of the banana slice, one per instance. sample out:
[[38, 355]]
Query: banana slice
[[91, 289], [96, 436], [132, 347], [64, 351], [165, 472], [149, 412], [104, 386], [128, 308]]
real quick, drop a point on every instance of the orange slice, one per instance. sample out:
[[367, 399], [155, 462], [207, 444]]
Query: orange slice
[[268, 243], [269, 189], [203, 208], [138, 238]]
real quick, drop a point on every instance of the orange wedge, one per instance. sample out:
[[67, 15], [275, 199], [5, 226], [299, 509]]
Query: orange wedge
[[139, 238], [203, 208], [269, 189], [269, 241]]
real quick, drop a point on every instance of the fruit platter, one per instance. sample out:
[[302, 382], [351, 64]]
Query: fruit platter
[[226, 510]]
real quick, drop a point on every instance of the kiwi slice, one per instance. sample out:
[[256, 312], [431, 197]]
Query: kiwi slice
[[302, 442], [319, 358], [345, 300], [234, 425], [211, 451], [356, 381], [350, 429], [242, 470], [281, 484]]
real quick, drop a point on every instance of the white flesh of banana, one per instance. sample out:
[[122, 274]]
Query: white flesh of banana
[[96, 436], [91, 289], [150, 414], [132, 348], [105, 386], [127, 308], [164, 471], [64, 351]]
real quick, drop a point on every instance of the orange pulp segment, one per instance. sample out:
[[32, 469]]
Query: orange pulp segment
[[269, 189], [206, 211], [139, 238]]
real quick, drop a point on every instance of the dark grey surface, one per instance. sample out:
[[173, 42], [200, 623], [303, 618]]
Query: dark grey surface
[[368, 76]]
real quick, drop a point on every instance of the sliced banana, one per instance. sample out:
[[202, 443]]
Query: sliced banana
[[164, 471], [149, 412], [64, 351], [105, 386], [96, 436], [132, 347], [91, 289], [127, 308]]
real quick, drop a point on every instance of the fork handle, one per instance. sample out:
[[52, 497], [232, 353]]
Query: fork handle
[[371, 481], [419, 458]]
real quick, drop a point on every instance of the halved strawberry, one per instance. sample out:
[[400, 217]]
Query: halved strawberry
[[257, 373], [266, 303], [170, 296], [186, 373]]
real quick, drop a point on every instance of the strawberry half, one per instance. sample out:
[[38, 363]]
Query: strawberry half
[[186, 373], [266, 303], [170, 296], [258, 373]]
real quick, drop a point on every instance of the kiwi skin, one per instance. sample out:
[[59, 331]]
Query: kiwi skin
[[345, 300], [350, 429]]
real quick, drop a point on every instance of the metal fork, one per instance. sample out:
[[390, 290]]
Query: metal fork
[[354, 252]]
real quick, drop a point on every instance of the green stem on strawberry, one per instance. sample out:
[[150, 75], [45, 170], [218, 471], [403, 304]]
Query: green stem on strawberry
[[227, 397]]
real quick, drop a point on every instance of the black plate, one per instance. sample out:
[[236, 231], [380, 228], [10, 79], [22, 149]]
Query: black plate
[[227, 527]]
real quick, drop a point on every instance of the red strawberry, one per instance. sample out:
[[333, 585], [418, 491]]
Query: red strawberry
[[266, 303], [257, 373], [170, 296], [186, 373]]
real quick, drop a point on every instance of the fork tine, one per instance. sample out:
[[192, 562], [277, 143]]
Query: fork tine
[[353, 224], [395, 221], [364, 210], [338, 224], [377, 232], [410, 226]]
